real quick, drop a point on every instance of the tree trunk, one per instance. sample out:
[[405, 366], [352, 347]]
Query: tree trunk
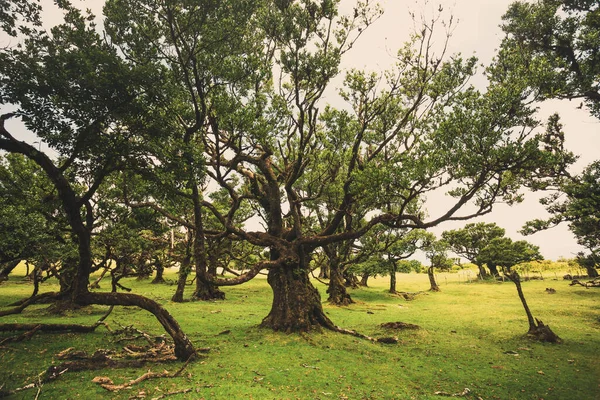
[[7, 268], [184, 271], [350, 280], [324, 271], [516, 279], [393, 277], [591, 271], [337, 289], [493, 270], [434, 286], [160, 270], [184, 349], [483, 274], [364, 279], [296, 303]]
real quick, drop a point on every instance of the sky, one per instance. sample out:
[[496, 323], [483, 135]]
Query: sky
[[476, 32]]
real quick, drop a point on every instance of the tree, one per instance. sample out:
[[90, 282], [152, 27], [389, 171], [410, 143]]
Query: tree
[[390, 249], [246, 107], [471, 239], [505, 253], [32, 227], [554, 44], [437, 253], [73, 91]]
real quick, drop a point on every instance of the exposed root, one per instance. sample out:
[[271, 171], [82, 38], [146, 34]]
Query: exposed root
[[386, 340], [21, 305], [543, 333]]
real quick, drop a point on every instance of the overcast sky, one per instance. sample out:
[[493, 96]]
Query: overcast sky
[[477, 33]]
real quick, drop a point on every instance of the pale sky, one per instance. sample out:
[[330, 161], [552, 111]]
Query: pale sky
[[476, 32]]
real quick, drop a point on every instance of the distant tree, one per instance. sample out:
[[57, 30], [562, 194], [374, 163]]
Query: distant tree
[[471, 239], [437, 253], [505, 253]]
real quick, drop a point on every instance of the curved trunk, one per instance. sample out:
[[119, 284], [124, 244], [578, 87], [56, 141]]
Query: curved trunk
[[296, 303], [516, 279], [337, 288], [7, 268], [434, 286], [184, 349]]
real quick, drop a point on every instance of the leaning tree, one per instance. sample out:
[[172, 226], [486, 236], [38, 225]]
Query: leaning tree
[[506, 253]]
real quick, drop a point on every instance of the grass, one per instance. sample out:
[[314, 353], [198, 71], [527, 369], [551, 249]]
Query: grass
[[472, 337]]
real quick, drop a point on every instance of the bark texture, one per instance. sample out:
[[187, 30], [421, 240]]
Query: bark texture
[[296, 302]]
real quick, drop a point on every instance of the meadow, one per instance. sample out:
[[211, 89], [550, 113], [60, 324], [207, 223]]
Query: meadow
[[471, 336]]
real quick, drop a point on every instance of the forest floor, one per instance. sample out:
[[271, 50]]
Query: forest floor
[[471, 344]]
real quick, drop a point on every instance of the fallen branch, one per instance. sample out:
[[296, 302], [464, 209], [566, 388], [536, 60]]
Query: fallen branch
[[32, 328], [107, 383], [588, 284], [461, 394]]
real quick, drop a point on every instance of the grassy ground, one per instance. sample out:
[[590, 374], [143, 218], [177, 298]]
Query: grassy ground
[[472, 337]]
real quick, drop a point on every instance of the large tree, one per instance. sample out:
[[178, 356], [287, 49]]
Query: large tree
[[230, 94], [469, 240], [72, 90]]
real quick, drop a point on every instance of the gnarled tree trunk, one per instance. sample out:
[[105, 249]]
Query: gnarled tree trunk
[[296, 303], [537, 328]]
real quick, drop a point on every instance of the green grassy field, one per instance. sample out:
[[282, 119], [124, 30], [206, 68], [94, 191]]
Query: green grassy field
[[471, 336]]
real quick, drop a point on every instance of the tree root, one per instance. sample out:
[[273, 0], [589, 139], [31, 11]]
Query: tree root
[[21, 305], [543, 333]]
